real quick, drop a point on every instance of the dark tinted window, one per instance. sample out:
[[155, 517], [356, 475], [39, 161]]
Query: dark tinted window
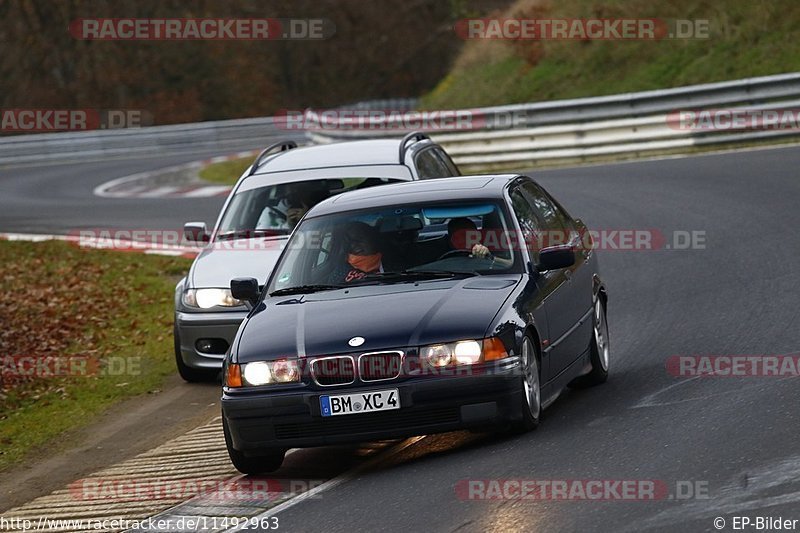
[[529, 222], [554, 217], [430, 166], [451, 167]]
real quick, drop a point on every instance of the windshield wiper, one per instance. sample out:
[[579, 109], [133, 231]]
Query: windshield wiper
[[407, 275], [304, 289]]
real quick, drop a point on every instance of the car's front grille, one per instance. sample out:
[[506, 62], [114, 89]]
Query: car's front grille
[[379, 366], [329, 371], [399, 420]]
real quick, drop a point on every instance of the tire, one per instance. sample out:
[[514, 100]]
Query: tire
[[530, 384], [189, 374], [599, 350], [267, 461]]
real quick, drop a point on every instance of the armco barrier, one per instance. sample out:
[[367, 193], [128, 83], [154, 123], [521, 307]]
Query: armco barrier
[[511, 136], [585, 129], [237, 134]]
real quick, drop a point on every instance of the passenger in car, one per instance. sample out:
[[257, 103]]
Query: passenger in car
[[463, 234], [301, 200]]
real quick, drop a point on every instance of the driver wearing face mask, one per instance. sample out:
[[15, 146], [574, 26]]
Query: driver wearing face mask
[[362, 256]]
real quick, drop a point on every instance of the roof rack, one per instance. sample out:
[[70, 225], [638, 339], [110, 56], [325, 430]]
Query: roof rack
[[280, 146], [415, 136]]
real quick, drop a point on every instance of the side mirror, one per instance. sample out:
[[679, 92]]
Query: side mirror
[[245, 289], [195, 232], [556, 257]]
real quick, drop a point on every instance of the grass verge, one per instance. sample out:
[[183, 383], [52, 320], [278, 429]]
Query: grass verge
[[61, 304], [747, 38], [225, 172]]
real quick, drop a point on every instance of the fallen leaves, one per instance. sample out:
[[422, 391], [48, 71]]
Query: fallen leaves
[[57, 300]]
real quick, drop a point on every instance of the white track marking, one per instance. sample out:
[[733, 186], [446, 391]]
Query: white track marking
[[158, 191], [144, 184]]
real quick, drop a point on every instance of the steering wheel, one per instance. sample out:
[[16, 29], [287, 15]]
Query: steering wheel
[[455, 253]]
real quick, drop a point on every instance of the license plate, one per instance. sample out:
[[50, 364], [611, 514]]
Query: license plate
[[362, 402]]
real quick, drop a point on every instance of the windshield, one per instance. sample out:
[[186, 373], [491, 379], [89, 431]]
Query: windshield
[[391, 244], [276, 209]]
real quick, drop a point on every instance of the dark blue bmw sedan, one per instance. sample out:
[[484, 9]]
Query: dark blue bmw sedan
[[411, 309]]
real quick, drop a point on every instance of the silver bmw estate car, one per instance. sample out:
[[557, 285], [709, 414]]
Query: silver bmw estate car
[[257, 218]]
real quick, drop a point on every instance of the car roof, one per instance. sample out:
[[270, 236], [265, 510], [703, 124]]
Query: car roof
[[341, 154], [455, 188], [389, 172]]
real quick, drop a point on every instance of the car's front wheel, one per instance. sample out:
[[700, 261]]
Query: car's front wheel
[[531, 388], [266, 461]]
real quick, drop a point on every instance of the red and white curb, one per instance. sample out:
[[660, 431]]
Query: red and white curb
[[145, 184], [116, 245]]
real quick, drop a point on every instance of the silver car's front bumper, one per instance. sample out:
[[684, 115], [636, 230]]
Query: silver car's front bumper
[[192, 327]]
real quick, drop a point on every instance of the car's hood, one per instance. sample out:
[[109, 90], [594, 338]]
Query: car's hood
[[386, 316], [218, 264]]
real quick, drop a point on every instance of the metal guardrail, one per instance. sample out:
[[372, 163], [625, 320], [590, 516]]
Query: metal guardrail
[[585, 129], [146, 140], [500, 137], [237, 134]]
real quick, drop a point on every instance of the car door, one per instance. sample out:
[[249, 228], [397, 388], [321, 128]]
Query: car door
[[570, 306], [546, 284]]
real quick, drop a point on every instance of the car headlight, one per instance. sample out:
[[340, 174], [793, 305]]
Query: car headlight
[[208, 298], [466, 352], [260, 373]]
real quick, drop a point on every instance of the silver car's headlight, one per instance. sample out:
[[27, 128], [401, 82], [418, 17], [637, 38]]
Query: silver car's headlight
[[208, 298]]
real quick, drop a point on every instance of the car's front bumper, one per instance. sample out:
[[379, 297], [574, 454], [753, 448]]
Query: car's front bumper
[[191, 327], [292, 419]]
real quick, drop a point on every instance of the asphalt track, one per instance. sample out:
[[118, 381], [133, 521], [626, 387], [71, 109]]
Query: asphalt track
[[57, 197], [737, 436]]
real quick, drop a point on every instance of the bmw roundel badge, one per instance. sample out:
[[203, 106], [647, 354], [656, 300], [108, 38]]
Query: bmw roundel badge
[[356, 341]]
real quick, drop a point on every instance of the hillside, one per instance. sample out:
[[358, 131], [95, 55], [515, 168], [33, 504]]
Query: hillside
[[747, 38]]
